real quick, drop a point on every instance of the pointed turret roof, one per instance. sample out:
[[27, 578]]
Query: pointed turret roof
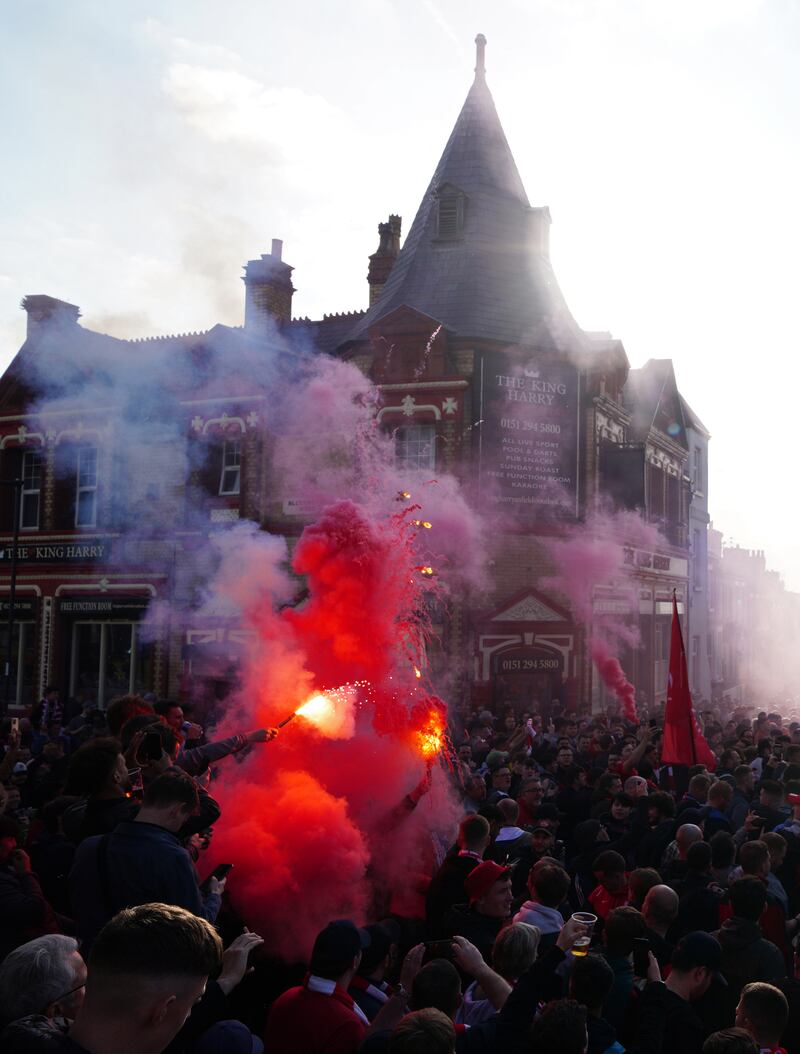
[[493, 280]]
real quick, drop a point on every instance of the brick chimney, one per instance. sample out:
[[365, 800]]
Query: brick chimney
[[46, 311], [268, 290], [382, 262]]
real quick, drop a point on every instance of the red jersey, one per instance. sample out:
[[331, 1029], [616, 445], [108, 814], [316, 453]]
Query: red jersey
[[314, 1022]]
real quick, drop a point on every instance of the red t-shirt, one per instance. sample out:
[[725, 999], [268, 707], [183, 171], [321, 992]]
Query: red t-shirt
[[603, 902]]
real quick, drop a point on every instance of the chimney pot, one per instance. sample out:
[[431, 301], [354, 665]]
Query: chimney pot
[[43, 310], [382, 261], [268, 290]]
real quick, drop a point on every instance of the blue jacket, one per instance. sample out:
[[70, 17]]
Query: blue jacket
[[145, 864]]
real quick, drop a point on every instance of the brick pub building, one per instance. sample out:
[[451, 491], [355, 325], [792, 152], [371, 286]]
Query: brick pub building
[[483, 372]]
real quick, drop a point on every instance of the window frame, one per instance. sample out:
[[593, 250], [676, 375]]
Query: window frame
[[226, 468], [400, 436], [27, 492], [84, 488]]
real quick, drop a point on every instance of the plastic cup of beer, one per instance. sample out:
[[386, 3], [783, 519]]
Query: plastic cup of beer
[[586, 919]]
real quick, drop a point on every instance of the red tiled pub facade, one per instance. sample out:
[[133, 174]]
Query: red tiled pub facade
[[483, 373]]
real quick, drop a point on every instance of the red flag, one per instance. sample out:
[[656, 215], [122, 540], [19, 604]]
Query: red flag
[[683, 743]]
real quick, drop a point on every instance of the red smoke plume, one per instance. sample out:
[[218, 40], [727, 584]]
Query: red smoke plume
[[308, 816], [591, 555], [613, 676]]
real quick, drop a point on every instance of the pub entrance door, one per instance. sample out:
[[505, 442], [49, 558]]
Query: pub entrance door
[[528, 679]]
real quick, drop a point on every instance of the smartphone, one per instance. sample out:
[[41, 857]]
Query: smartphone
[[438, 950], [221, 871], [641, 956], [151, 747], [15, 724]]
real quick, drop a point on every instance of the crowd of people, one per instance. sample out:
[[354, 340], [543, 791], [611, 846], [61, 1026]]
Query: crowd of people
[[591, 900]]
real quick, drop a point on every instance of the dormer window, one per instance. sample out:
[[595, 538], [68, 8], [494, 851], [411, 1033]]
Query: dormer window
[[450, 214]]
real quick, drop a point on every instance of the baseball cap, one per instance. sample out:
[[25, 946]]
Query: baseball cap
[[336, 946], [19, 768], [481, 879], [228, 1037], [699, 949]]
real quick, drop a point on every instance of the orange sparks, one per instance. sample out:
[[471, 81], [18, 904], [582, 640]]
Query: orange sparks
[[417, 672], [403, 495], [425, 570], [430, 737], [422, 523]]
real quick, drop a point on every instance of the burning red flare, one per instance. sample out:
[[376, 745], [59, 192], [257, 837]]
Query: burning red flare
[[429, 728]]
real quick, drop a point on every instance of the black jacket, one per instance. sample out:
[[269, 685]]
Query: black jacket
[[747, 956], [445, 890], [481, 930], [684, 1032]]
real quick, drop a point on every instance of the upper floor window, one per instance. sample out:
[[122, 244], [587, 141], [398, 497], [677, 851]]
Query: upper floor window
[[415, 447], [30, 495], [86, 487], [699, 470], [230, 474]]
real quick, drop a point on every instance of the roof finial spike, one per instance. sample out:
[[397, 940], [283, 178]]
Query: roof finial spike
[[480, 57]]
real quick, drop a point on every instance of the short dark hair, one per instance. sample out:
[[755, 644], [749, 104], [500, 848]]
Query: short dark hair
[[730, 1041], [748, 898], [699, 784], [172, 787], [642, 880], [621, 798], [473, 830], [163, 706], [436, 985], [767, 1009], [91, 766], [123, 708], [427, 1031], [720, 790], [698, 857], [623, 926], [753, 855], [723, 849], [609, 862], [490, 812], [153, 940], [591, 980], [772, 787], [551, 884], [561, 1026], [662, 801]]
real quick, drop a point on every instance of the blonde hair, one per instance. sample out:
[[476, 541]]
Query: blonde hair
[[515, 949], [423, 1032]]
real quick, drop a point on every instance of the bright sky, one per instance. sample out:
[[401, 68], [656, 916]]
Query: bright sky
[[151, 148]]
